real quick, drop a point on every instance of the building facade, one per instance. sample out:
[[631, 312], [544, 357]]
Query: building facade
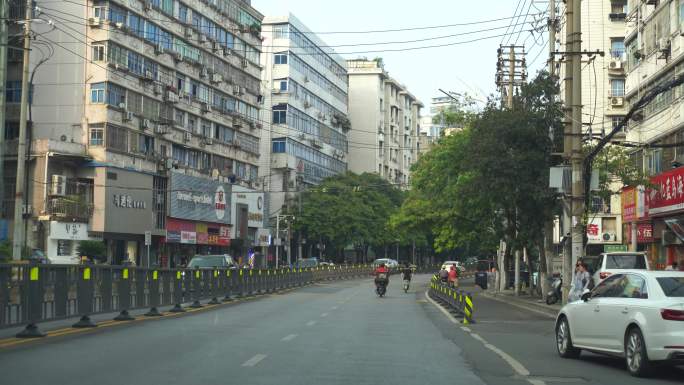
[[385, 124], [603, 101], [654, 56], [306, 106], [143, 119]]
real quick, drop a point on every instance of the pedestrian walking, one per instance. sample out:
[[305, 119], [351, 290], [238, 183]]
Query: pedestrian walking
[[453, 276], [581, 281]]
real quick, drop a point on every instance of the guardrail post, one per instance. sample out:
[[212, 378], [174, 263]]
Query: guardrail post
[[124, 293], [214, 279], [178, 293], [196, 287], [259, 283], [34, 302], [84, 290], [154, 294], [250, 283], [229, 279], [468, 310], [241, 282]]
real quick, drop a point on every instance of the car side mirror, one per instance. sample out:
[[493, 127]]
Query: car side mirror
[[586, 296]]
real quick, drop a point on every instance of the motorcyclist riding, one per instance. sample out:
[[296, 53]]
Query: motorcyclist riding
[[381, 277], [406, 273]]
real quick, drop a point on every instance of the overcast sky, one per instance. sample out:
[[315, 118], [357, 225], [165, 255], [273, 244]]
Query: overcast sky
[[460, 68]]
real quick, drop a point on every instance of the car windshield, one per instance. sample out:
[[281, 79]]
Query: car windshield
[[207, 261], [625, 261], [672, 286]]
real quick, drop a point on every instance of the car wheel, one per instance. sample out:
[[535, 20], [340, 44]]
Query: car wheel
[[636, 357], [564, 341]]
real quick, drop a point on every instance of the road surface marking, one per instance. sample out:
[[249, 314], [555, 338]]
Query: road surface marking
[[333, 308], [254, 360], [512, 362], [324, 315], [289, 338], [311, 323]]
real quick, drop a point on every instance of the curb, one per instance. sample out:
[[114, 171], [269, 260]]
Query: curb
[[525, 305]]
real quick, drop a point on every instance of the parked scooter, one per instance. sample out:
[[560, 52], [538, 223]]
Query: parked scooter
[[554, 295]]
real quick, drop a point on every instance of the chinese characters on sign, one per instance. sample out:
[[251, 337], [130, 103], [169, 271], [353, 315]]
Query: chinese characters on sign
[[669, 194], [594, 230], [644, 233], [127, 201]]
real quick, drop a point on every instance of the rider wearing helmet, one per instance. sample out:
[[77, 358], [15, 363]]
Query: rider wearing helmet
[[381, 273], [406, 272]]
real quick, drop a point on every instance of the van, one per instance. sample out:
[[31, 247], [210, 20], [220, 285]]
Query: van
[[618, 262]]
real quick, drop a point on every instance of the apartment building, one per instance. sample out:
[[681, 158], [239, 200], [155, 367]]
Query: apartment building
[[306, 105], [385, 123], [655, 55], [603, 100], [143, 120]]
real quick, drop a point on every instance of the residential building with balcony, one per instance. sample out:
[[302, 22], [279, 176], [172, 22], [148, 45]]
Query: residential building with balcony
[[139, 96], [603, 101], [655, 55], [306, 106], [385, 121]]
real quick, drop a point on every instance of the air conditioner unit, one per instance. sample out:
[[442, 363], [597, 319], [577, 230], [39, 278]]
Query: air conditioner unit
[[252, 125], [244, 62], [208, 141], [236, 90], [216, 78], [27, 210], [670, 238], [149, 75], [122, 106], [177, 56], [616, 64], [227, 52], [187, 136], [307, 104], [158, 89], [159, 49], [617, 101], [127, 116], [58, 186], [145, 123], [316, 143], [206, 107], [259, 126], [189, 33], [237, 123], [95, 22], [119, 25], [608, 237], [148, 5], [203, 73], [663, 44], [171, 97], [243, 90], [161, 129], [277, 91], [306, 79], [202, 38]]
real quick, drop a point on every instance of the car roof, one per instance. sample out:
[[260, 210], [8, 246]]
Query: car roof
[[625, 253]]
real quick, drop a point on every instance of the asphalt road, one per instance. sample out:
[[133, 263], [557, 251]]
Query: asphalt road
[[329, 333]]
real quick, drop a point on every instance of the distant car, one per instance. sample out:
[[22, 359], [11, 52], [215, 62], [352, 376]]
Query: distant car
[[222, 261], [306, 263], [637, 315], [612, 263]]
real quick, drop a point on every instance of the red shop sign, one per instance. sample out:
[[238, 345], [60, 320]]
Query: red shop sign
[[668, 196], [644, 233]]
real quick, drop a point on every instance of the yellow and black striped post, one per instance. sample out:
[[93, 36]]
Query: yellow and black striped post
[[468, 309]]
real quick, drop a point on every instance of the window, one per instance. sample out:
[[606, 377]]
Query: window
[[192, 123], [117, 15], [672, 286], [100, 12], [117, 138], [654, 162], [98, 52], [96, 136], [135, 24], [11, 130], [278, 145], [97, 93], [679, 138], [617, 6], [182, 13], [280, 114], [617, 87], [616, 120], [280, 58], [617, 48], [283, 85], [13, 91], [179, 118]]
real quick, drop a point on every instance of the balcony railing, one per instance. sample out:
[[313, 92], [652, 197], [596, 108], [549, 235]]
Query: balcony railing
[[70, 208]]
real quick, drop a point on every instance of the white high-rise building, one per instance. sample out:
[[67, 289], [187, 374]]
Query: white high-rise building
[[384, 123], [306, 105]]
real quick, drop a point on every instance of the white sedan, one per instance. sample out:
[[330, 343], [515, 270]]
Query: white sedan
[[636, 315]]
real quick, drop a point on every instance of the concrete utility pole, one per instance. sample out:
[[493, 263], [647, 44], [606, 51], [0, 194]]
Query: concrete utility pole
[[4, 32], [511, 71], [18, 239], [511, 75], [552, 37]]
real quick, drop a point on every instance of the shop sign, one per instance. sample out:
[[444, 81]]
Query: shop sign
[[614, 248], [199, 199], [635, 204], [594, 230], [128, 202], [188, 232], [644, 233], [69, 230], [254, 200], [668, 196]]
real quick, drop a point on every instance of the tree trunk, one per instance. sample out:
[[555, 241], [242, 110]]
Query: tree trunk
[[530, 269]]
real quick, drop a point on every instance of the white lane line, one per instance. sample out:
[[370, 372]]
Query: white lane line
[[324, 315], [333, 308], [512, 362], [254, 360], [311, 323], [289, 338]]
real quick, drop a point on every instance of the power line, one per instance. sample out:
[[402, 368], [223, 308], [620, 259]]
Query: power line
[[515, 13], [524, 21]]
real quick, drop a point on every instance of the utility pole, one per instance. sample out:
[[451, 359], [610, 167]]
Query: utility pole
[[4, 34], [511, 71], [511, 75], [18, 239], [552, 37], [278, 241], [577, 158]]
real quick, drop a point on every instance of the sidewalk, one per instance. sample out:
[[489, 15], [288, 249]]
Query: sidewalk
[[524, 301]]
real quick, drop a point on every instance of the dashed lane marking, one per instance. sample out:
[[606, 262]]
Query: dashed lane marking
[[254, 360], [311, 323], [289, 338], [512, 362], [324, 315]]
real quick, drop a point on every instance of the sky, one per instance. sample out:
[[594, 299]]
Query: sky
[[458, 68]]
